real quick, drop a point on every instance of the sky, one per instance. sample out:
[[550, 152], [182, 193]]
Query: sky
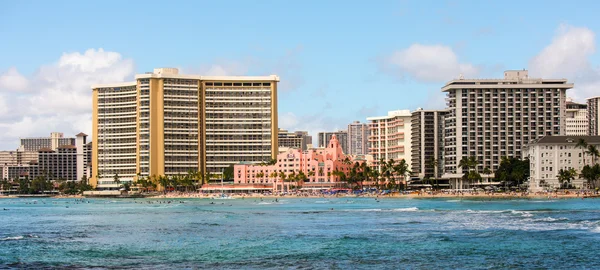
[[338, 61]]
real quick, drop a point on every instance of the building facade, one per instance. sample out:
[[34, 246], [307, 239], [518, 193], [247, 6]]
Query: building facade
[[317, 165], [550, 154], [342, 137], [358, 138], [59, 164], [494, 118], [166, 123], [427, 143], [577, 123], [55, 140], [593, 106], [297, 139], [390, 137]]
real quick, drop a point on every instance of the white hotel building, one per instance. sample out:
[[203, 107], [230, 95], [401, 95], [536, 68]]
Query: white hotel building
[[550, 154], [494, 118], [390, 137]]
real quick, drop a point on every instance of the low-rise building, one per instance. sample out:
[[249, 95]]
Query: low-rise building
[[550, 154], [318, 165]]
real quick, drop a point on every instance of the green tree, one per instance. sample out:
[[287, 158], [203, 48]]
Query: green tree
[[591, 174], [592, 150], [565, 177], [401, 169], [228, 173], [117, 179], [512, 171]]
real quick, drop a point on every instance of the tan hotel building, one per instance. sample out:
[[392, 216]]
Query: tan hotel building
[[166, 123]]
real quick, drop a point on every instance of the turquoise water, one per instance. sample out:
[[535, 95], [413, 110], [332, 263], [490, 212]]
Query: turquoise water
[[341, 233]]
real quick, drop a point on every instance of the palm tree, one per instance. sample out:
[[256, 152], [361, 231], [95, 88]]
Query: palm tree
[[401, 169], [117, 180], [311, 174], [593, 151], [469, 164], [565, 177], [300, 177], [582, 144]]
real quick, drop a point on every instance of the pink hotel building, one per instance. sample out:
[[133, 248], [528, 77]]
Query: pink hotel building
[[317, 165]]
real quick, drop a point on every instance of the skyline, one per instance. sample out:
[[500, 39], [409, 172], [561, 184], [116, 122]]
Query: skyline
[[340, 68]]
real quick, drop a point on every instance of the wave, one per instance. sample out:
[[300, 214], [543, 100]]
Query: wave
[[19, 237], [550, 219], [408, 209]]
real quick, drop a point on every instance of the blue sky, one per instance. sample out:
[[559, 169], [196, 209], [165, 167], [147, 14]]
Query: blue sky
[[338, 61]]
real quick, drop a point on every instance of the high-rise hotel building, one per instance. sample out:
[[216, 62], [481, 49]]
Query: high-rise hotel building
[[166, 123], [390, 137], [427, 144], [593, 107], [494, 118], [577, 119]]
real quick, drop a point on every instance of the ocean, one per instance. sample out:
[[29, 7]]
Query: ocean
[[316, 233]]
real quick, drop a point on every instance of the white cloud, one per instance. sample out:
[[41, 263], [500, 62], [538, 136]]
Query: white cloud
[[12, 80], [567, 56], [429, 63], [58, 96]]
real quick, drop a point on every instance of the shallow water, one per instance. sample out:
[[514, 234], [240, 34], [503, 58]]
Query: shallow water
[[341, 233]]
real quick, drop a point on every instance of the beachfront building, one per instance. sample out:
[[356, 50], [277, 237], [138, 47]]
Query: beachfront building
[[427, 143], [390, 137], [166, 123], [550, 154], [358, 138], [55, 140], [494, 118], [593, 106], [318, 165], [297, 139], [341, 135], [577, 123]]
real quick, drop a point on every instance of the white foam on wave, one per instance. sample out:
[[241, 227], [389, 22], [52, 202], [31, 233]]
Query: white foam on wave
[[322, 201], [522, 213], [551, 219], [453, 200], [408, 209], [265, 203], [19, 237]]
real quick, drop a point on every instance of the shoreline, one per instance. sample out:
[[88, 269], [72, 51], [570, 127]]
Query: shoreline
[[476, 196]]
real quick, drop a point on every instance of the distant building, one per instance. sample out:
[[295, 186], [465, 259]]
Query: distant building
[[550, 154], [427, 143], [55, 140], [342, 137], [390, 137], [577, 119], [317, 165], [494, 118], [358, 138], [297, 139], [66, 162], [593, 106], [59, 164]]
